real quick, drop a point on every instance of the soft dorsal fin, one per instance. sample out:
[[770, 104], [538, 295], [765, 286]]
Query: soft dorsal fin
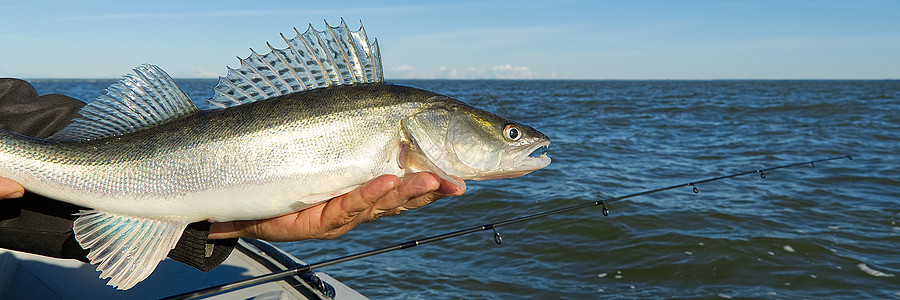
[[315, 59], [143, 99]]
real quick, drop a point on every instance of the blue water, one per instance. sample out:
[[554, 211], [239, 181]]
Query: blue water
[[824, 232]]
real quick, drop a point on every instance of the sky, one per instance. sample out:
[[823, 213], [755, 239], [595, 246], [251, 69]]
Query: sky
[[523, 39]]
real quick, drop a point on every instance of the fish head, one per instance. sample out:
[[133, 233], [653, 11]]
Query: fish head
[[474, 144]]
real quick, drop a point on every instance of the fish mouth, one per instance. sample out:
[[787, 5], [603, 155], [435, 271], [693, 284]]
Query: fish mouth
[[541, 150], [537, 157]]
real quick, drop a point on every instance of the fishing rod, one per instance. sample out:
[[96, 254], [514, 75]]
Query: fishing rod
[[492, 226]]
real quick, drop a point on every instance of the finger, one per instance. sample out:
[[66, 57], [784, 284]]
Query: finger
[[382, 196], [446, 189], [412, 186], [10, 189], [367, 195], [449, 188], [341, 210], [395, 202]]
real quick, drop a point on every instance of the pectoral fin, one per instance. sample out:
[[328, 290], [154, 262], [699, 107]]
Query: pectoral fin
[[416, 161], [126, 249]]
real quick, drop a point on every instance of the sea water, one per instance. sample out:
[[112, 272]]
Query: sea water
[[824, 232]]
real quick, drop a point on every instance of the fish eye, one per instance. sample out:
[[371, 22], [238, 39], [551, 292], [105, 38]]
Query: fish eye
[[511, 132]]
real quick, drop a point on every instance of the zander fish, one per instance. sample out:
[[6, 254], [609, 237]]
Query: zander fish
[[287, 130]]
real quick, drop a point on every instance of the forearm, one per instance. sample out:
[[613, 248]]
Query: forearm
[[38, 225]]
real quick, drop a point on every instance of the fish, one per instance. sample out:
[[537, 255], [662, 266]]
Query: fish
[[287, 130]]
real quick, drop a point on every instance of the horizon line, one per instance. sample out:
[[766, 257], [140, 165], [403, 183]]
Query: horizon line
[[519, 79]]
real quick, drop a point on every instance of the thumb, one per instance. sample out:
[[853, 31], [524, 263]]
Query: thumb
[[10, 189]]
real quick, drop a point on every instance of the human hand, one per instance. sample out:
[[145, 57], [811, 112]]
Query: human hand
[[10, 189], [386, 195]]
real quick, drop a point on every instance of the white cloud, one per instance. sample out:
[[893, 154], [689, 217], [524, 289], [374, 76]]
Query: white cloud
[[474, 72], [506, 71], [404, 72], [445, 72]]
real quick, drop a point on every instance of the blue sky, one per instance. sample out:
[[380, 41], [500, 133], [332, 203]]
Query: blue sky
[[689, 39]]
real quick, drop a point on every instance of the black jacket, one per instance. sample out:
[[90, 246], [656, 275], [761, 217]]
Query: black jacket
[[39, 225]]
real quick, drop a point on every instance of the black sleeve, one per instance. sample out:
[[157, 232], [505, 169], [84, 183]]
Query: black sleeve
[[39, 225]]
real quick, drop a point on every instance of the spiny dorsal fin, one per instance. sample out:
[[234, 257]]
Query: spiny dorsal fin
[[315, 59], [143, 99]]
